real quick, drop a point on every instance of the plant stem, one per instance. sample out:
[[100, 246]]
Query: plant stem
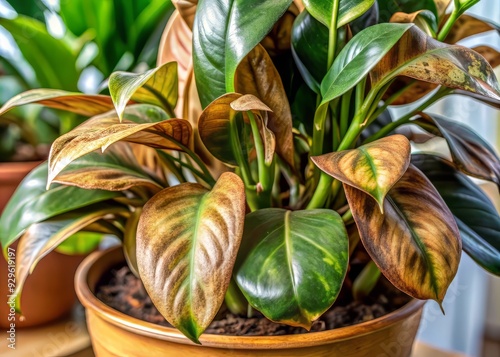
[[365, 281], [235, 301], [265, 177], [332, 38], [344, 112], [448, 25], [360, 94], [236, 147], [347, 217]]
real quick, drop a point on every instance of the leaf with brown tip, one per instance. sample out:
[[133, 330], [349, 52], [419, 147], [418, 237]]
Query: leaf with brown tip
[[424, 19], [257, 75], [187, 242], [84, 104], [421, 57], [158, 86], [467, 26], [415, 243], [372, 168], [101, 131]]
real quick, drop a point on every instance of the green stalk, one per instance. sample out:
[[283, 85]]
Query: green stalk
[[448, 25], [265, 177], [332, 38], [360, 94], [344, 112], [365, 281], [240, 159], [235, 301]]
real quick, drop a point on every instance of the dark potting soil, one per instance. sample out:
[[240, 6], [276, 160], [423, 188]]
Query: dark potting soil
[[121, 290]]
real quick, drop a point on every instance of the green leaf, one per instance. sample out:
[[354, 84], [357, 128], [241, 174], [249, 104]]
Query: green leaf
[[415, 243], [471, 154], [116, 169], [372, 168], [32, 203], [349, 10], [421, 57], [462, 5], [84, 104], [358, 57], [80, 243], [275, 271], [476, 217], [390, 7], [187, 241], [224, 32], [310, 49], [139, 126], [157, 86], [42, 51]]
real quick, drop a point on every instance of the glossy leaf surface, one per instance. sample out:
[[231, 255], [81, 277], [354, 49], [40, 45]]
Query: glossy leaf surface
[[224, 32], [348, 11], [102, 131], [275, 271], [158, 86], [372, 168], [476, 217], [84, 104], [32, 203], [415, 243], [187, 241]]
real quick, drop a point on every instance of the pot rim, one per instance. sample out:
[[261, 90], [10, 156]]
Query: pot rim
[[132, 324]]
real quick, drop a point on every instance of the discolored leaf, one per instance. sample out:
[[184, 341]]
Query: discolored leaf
[[274, 269], [373, 168], [224, 32], [476, 217], [32, 203], [257, 75], [116, 169], [415, 243], [359, 56], [421, 57], [101, 131], [388, 8], [442, 6], [84, 104], [187, 241], [424, 19], [348, 10], [187, 10], [468, 25], [490, 54], [471, 154], [158, 86], [417, 90], [130, 241]]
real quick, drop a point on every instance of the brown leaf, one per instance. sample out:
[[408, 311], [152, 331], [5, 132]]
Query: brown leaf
[[467, 26], [417, 90], [278, 41], [416, 242], [442, 5], [187, 10], [257, 75], [490, 54], [424, 19]]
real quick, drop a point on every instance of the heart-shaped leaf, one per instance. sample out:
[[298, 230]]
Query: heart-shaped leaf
[[421, 57], [424, 19], [32, 203], [224, 32], [359, 56], [372, 168], [415, 243], [84, 104], [257, 75], [102, 131], [348, 10], [476, 217], [274, 270], [388, 8], [468, 25], [471, 154], [158, 86], [187, 242], [116, 169], [310, 49]]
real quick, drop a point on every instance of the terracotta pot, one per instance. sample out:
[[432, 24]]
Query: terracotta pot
[[48, 293], [116, 334], [11, 175]]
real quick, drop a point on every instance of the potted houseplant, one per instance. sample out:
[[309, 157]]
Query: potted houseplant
[[292, 99], [88, 44]]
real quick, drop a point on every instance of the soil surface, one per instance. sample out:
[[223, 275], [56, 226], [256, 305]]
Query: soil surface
[[121, 290]]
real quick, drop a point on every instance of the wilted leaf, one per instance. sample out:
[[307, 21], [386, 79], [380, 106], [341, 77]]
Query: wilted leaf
[[116, 169], [424, 19], [421, 57], [84, 104], [466, 26], [32, 203], [490, 54], [274, 269], [187, 242], [417, 90], [471, 154], [158, 86], [224, 32], [390, 7], [373, 168], [101, 131], [257, 75], [415, 243], [476, 217], [348, 11]]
